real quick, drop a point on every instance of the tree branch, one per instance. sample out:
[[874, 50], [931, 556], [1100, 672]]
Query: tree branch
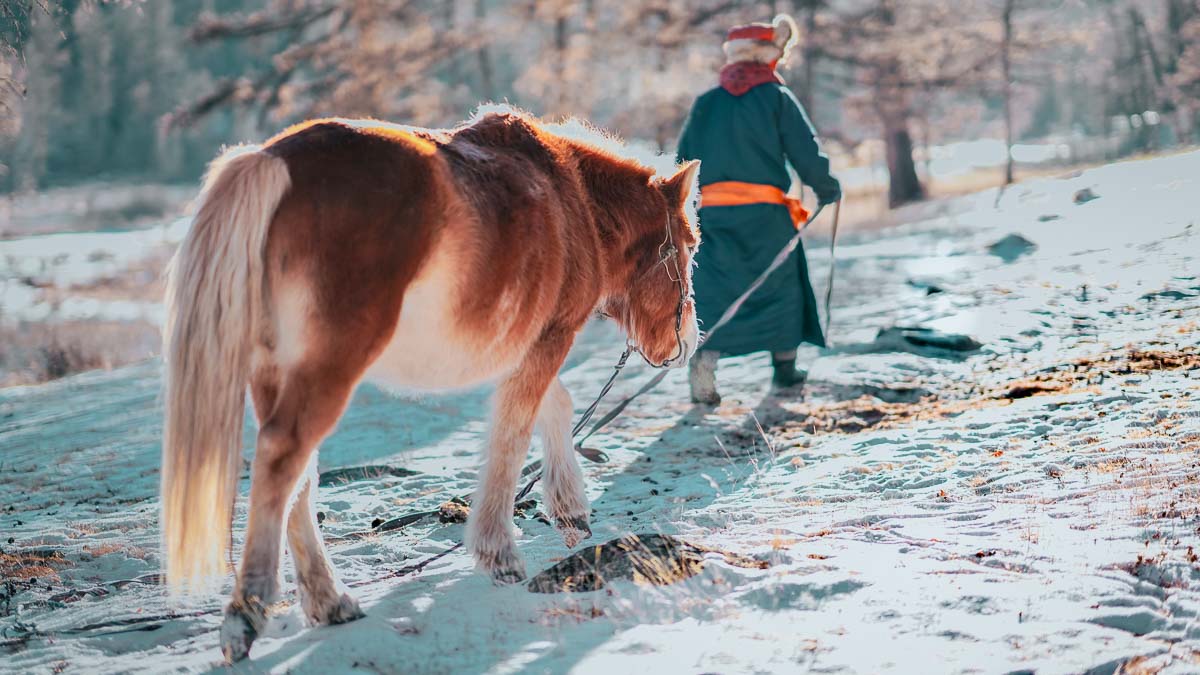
[[209, 28]]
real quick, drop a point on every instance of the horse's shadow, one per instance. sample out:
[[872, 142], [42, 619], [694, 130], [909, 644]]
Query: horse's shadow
[[652, 489], [645, 493]]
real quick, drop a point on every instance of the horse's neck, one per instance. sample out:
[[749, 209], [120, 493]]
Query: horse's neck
[[620, 197]]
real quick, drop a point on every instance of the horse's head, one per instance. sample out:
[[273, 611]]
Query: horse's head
[[658, 312]]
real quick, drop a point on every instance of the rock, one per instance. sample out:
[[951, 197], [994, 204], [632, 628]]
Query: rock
[[1011, 247], [353, 474], [457, 510], [1085, 195], [1027, 389], [924, 341], [523, 509], [1045, 218], [1169, 294], [454, 511], [929, 287], [592, 454], [657, 559]]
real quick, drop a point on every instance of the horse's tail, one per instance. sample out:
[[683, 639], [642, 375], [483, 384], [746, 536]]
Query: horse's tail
[[214, 302]]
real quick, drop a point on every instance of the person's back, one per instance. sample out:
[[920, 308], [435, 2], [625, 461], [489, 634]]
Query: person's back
[[751, 137], [745, 132]]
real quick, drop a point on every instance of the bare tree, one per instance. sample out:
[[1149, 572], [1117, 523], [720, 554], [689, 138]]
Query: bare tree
[[1026, 33], [895, 57], [1006, 21], [356, 57], [15, 19], [483, 55], [1182, 65]]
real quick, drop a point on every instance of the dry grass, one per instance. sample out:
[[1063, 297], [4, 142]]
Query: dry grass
[[99, 550], [31, 353], [867, 412], [91, 207], [32, 564]]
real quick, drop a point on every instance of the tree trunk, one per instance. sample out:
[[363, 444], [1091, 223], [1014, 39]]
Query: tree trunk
[[1006, 68], [560, 64], [903, 184], [809, 54], [482, 56]]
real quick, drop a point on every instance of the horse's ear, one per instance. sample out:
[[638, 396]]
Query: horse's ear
[[681, 183]]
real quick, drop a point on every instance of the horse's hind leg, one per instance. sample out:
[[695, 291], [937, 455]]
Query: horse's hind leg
[[306, 408], [320, 596], [565, 496]]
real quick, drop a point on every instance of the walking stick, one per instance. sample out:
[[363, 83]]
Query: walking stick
[[837, 214]]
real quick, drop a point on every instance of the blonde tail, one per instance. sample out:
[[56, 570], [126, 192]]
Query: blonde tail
[[214, 301]]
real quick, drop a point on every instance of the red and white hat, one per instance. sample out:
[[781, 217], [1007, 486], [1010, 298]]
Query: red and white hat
[[761, 42], [759, 32]]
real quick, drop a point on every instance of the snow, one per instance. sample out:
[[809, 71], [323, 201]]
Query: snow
[[966, 532], [77, 259]]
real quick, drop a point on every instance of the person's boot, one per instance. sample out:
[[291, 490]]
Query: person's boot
[[702, 378], [786, 374]]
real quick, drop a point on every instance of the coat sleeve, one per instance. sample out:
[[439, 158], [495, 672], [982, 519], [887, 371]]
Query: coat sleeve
[[802, 151]]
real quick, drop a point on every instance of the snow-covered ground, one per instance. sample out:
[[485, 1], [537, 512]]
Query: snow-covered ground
[[1033, 506], [70, 260]]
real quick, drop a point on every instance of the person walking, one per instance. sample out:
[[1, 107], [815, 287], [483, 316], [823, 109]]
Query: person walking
[[746, 132]]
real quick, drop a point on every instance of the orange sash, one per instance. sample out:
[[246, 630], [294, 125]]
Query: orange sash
[[737, 193]]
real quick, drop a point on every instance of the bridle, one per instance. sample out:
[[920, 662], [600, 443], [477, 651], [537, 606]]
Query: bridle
[[669, 258], [668, 254]]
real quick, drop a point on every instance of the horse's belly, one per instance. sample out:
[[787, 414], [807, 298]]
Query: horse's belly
[[430, 351]]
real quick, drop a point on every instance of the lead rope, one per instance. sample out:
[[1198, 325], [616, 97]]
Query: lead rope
[[154, 622], [725, 318], [534, 467]]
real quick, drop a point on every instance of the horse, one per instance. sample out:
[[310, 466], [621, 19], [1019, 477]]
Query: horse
[[429, 260]]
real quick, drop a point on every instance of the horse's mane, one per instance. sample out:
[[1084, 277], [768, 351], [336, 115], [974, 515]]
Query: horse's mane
[[612, 164], [634, 154]]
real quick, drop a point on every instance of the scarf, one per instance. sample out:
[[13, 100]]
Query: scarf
[[742, 76]]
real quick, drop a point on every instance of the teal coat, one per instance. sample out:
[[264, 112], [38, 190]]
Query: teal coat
[[752, 138]]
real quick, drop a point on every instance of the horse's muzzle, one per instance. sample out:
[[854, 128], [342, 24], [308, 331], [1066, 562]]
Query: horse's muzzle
[[690, 335]]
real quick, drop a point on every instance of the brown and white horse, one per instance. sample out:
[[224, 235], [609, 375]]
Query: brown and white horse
[[431, 260]]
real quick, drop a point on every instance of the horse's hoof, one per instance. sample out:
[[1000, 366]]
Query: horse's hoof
[[573, 529], [504, 568], [345, 611], [242, 624], [329, 607], [507, 577]]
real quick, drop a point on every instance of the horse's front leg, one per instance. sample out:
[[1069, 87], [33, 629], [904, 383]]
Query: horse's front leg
[[515, 410], [566, 500]]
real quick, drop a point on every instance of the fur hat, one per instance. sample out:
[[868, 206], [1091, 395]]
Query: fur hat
[[761, 42]]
